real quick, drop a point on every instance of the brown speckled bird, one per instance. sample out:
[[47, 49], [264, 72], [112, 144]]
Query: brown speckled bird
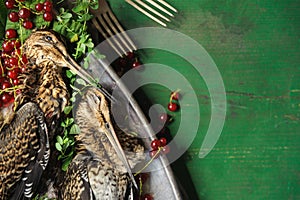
[[24, 153], [24, 140], [97, 171]]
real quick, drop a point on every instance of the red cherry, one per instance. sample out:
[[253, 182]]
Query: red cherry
[[48, 16], [147, 197], [13, 62], [163, 117], [47, 6], [130, 55], [7, 98], [28, 24], [10, 33], [39, 7], [6, 63], [136, 64], [10, 4], [5, 85], [163, 141], [13, 16], [7, 46], [175, 95], [143, 177], [155, 144], [24, 13], [24, 59], [18, 91], [16, 81], [166, 149], [13, 74], [16, 43], [172, 107], [154, 154], [16, 53], [23, 69]]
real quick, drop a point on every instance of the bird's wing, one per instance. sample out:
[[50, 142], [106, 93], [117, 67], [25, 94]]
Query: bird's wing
[[76, 183], [24, 152]]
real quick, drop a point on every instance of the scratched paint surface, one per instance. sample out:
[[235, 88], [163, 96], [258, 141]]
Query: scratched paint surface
[[256, 46]]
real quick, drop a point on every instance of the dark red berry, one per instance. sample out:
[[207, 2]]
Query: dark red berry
[[172, 106], [163, 141], [47, 6], [24, 59], [130, 55], [6, 98], [143, 177], [13, 16], [23, 69], [13, 74], [166, 149], [7, 46], [10, 4], [175, 95], [16, 43], [155, 144], [6, 63], [5, 85], [136, 64], [13, 62], [154, 154], [28, 24], [163, 117], [147, 197], [24, 13], [16, 53], [16, 81], [48, 16], [39, 7]]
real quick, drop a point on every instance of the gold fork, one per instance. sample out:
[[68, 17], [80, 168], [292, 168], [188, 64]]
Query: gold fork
[[153, 7], [108, 25]]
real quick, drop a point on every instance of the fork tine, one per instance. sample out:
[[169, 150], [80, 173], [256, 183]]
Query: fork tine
[[108, 26], [115, 31], [160, 7], [103, 33], [146, 13], [133, 47], [152, 10], [167, 5]]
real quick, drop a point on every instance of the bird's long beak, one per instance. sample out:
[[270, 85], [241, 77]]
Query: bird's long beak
[[113, 139], [78, 70]]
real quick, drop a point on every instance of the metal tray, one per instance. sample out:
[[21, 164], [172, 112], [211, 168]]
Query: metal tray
[[161, 184]]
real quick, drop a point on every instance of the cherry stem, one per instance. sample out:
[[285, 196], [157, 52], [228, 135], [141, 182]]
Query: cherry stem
[[173, 94], [150, 161]]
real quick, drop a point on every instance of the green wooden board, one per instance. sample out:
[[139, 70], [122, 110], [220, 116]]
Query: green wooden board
[[256, 46]]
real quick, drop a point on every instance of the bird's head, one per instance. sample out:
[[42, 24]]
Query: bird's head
[[46, 46]]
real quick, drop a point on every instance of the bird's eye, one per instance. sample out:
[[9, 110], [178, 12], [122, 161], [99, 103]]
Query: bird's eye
[[49, 38]]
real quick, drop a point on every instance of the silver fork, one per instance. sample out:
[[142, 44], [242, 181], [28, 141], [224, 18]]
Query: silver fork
[[152, 7], [108, 25]]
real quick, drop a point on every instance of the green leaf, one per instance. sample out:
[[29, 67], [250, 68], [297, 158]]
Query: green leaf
[[80, 81], [68, 109], [69, 74], [58, 146], [3, 17], [74, 38], [66, 163], [73, 99], [59, 140], [63, 124], [74, 129], [66, 15]]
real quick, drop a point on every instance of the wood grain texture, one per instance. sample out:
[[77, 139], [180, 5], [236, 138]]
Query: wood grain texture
[[256, 46]]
